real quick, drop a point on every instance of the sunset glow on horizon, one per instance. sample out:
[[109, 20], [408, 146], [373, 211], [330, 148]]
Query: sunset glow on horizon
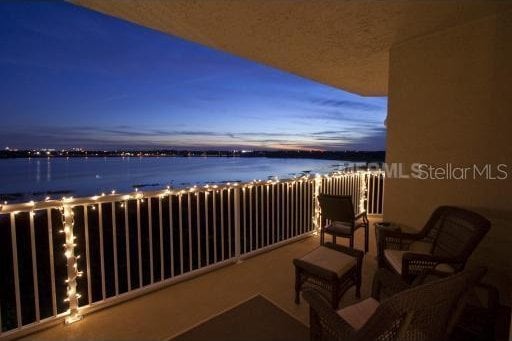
[[72, 78]]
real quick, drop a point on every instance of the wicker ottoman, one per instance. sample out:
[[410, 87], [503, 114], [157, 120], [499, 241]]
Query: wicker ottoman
[[331, 269]]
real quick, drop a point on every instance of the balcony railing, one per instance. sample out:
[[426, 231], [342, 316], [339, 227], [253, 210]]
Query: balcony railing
[[64, 258]]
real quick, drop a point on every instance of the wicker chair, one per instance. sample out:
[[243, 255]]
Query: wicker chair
[[426, 312], [476, 318], [445, 243], [339, 210]]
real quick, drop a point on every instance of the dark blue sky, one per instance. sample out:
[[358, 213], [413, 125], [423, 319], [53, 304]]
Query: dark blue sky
[[71, 77]]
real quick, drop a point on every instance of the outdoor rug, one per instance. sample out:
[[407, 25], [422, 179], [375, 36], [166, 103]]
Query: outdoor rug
[[254, 320]]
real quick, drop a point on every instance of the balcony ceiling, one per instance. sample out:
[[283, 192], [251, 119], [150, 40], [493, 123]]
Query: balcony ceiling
[[344, 44]]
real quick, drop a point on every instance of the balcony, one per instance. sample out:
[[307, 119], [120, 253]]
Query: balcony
[[137, 261], [66, 259], [174, 309]]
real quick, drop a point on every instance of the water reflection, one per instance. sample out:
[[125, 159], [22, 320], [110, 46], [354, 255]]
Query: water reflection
[[89, 176], [38, 171], [48, 170]]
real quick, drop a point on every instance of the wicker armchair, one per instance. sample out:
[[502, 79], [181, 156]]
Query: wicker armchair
[[444, 244], [339, 211], [425, 312], [474, 320]]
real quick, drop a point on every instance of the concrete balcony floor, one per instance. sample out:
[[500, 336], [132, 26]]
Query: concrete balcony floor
[[172, 310]]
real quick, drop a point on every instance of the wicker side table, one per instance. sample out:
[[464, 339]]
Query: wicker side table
[[383, 225], [331, 269]]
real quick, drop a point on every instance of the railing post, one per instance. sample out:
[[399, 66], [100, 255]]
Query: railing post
[[72, 270], [381, 203], [317, 216], [363, 188], [236, 198]]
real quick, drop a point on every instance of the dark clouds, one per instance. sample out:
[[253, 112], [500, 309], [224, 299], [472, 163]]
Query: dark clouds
[[346, 104]]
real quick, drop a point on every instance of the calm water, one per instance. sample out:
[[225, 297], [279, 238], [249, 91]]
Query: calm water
[[24, 179]]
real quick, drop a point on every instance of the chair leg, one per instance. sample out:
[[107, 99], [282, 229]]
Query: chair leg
[[297, 286], [366, 236], [351, 241], [358, 283], [358, 289], [335, 299], [333, 240], [315, 328]]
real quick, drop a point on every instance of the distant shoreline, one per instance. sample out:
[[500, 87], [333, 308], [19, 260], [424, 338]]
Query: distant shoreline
[[353, 156]]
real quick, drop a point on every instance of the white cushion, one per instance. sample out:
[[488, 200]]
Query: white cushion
[[394, 257], [339, 227], [329, 259], [443, 267], [358, 314], [420, 247]]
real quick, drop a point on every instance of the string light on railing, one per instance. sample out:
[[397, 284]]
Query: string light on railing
[[316, 193], [72, 266], [316, 182]]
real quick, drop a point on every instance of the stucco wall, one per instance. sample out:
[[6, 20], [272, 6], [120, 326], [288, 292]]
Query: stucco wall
[[450, 101]]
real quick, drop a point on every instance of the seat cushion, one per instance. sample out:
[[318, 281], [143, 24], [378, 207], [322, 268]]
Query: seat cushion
[[420, 247], [443, 267], [338, 228], [394, 257], [358, 314], [329, 259]]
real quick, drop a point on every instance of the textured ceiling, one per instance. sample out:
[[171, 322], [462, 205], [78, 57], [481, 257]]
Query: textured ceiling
[[344, 44]]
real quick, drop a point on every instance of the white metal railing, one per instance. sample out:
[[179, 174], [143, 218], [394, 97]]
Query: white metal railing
[[64, 258]]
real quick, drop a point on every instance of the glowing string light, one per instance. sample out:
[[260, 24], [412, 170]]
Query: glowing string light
[[72, 266], [317, 216], [72, 296]]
